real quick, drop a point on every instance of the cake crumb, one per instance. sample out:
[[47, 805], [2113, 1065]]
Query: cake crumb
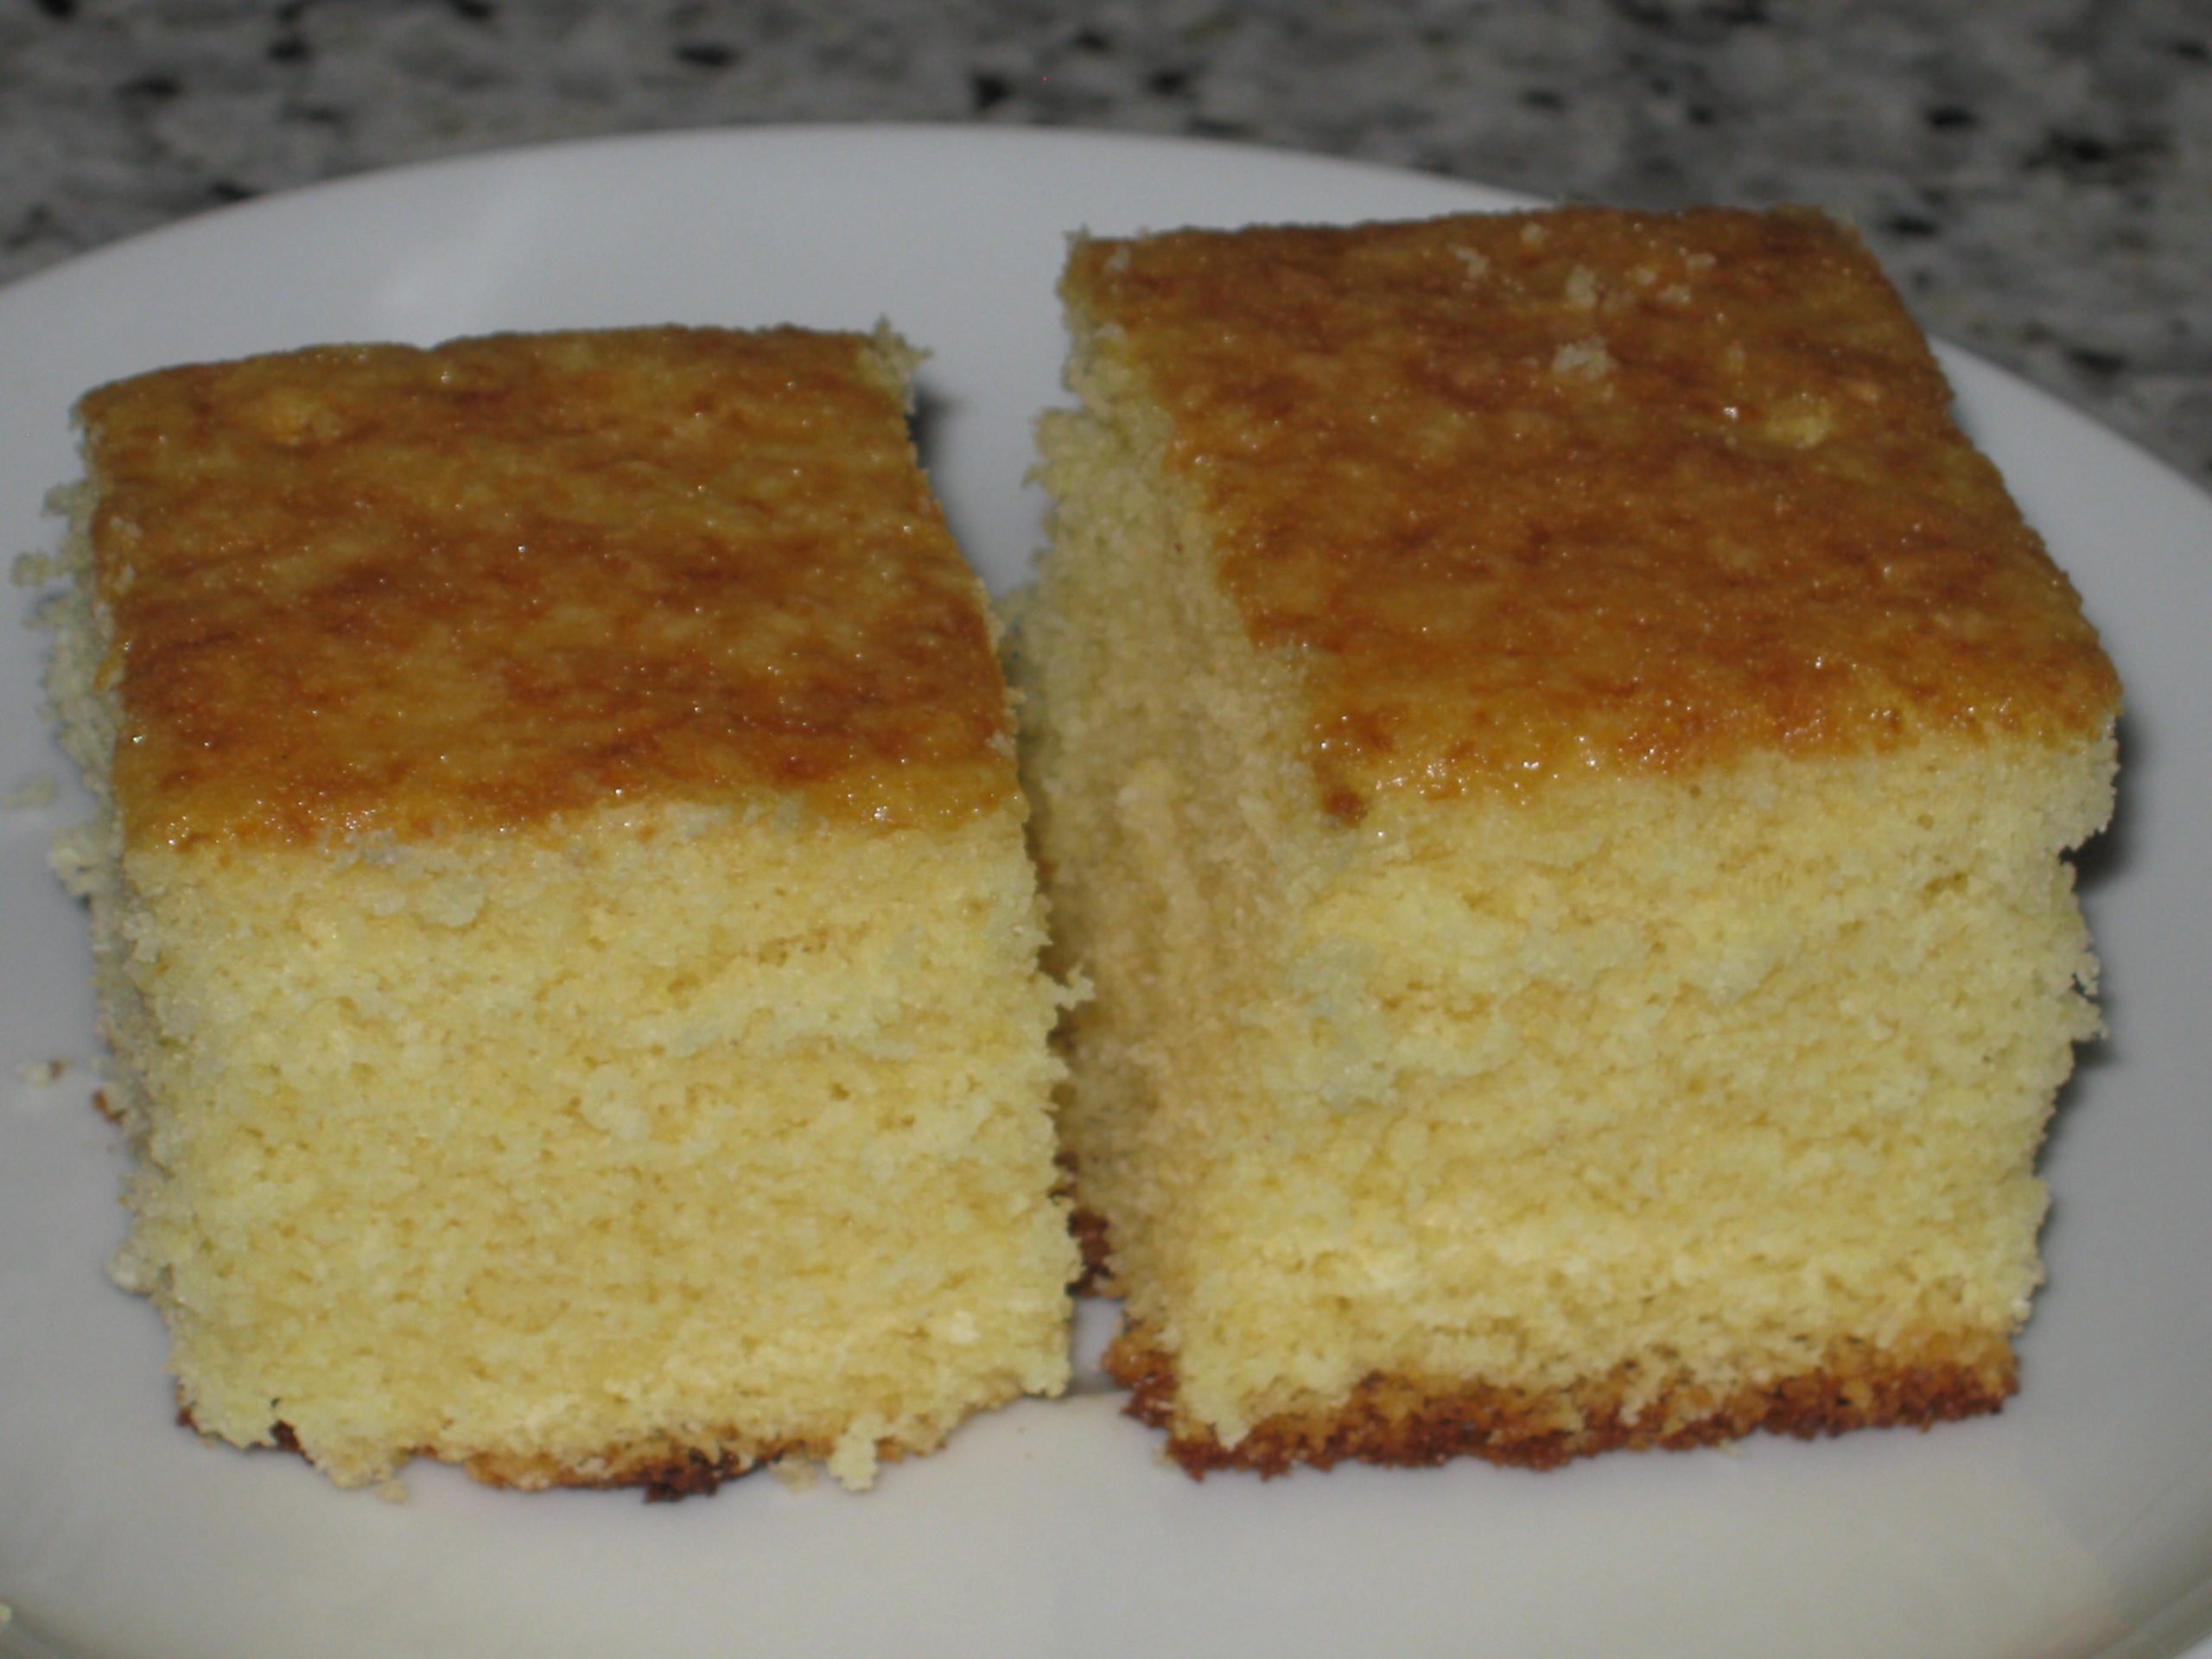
[[1582, 289], [853, 1463], [797, 1474], [1532, 234], [41, 1074], [1802, 423], [34, 569], [392, 1490], [1584, 358], [1478, 266]]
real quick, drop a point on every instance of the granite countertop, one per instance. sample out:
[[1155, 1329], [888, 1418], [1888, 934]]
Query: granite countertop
[[2038, 175]]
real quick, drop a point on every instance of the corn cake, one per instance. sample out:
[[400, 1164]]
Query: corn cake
[[561, 911], [1556, 757]]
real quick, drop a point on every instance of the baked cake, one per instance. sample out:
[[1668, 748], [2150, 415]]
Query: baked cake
[[562, 915], [1557, 757]]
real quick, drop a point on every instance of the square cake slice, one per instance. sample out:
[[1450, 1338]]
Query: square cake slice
[[1558, 759], [562, 916]]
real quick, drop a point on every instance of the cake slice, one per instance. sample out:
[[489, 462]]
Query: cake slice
[[1557, 757], [560, 910]]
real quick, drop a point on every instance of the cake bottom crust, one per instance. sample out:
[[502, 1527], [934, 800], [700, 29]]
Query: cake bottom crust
[[666, 1469], [1413, 1422]]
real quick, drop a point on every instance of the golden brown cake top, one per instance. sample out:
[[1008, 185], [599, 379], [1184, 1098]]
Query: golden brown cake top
[[1580, 489], [376, 589]]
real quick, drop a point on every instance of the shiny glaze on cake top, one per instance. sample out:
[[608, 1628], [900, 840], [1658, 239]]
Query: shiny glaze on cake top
[[1583, 490], [381, 590]]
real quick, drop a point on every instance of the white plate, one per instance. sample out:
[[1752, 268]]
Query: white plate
[[2079, 1522]]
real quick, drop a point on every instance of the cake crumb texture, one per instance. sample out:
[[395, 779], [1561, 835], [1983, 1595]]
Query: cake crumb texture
[[561, 911], [1557, 760]]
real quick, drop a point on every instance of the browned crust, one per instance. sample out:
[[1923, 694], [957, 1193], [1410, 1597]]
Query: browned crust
[[1411, 1421], [1525, 495], [1085, 1225], [1090, 1229], [375, 588], [666, 1469]]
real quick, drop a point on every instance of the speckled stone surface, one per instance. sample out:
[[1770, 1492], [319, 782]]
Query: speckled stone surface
[[2038, 175]]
